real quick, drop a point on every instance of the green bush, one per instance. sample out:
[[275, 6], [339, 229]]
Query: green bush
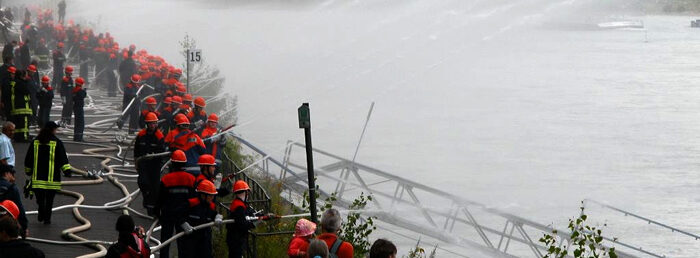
[[585, 240]]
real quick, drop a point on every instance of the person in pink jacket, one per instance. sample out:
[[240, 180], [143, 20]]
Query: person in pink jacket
[[303, 233]]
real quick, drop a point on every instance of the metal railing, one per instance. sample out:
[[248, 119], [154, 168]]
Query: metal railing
[[464, 223]]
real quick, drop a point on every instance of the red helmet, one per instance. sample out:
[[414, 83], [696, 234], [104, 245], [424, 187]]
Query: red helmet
[[31, 68], [240, 185], [151, 101], [168, 100], [177, 100], [178, 156], [136, 78], [206, 160], [12, 69], [112, 56], [181, 119], [213, 118], [151, 117], [178, 71], [199, 101], [45, 79], [187, 97], [59, 45], [143, 67], [69, 69], [10, 207], [206, 187], [79, 81], [181, 89]]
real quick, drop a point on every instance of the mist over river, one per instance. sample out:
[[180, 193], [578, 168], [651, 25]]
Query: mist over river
[[490, 100]]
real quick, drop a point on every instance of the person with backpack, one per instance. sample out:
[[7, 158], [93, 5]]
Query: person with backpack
[[10, 192], [303, 233], [130, 242], [330, 226]]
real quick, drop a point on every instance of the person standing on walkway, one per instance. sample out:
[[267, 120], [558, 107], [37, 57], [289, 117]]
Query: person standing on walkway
[[62, 11], [237, 232], [202, 209], [45, 97], [33, 86], [58, 61], [79, 95], [7, 151], [46, 159], [175, 190], [20, 110], [66, 91], [149, 141]]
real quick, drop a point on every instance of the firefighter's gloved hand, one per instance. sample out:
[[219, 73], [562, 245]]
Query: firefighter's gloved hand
[[187, 228], [198, 123], [67, 173], [222, 140], [219, 219], [27, 189]]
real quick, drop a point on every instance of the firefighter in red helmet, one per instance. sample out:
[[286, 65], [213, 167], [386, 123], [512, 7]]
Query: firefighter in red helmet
[[175, 190], [149, 141]]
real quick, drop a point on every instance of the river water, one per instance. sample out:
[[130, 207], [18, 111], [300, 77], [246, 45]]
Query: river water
[[489, 100]]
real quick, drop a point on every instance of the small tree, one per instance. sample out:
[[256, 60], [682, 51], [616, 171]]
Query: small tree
[[206, 80], [356, 229], [585, 240]]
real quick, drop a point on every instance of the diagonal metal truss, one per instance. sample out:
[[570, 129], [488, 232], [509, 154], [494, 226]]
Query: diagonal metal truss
[[410, 205]]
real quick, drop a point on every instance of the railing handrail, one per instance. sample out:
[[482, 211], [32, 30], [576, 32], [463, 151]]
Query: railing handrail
[[648, 220]]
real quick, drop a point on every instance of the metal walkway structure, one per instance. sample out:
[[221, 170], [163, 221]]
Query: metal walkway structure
[[420, 210]]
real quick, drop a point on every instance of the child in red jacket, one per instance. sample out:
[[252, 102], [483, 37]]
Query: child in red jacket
[[304, 231]]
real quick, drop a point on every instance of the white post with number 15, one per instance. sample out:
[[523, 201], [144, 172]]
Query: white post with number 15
[[193, 56]]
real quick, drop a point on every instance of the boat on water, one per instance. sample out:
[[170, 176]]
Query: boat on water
[[621, 25], [695, 23]]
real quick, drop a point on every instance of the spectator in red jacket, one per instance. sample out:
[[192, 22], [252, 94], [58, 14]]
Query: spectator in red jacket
[[330, 226], [303, 233]]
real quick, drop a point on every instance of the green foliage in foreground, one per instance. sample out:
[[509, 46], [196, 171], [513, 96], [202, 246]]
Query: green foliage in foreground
[[585, 241]]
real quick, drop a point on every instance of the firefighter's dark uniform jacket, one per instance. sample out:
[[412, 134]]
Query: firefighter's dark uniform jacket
[[58, 60], [130, 93], [45, 96], [79, 95], [237, 232], [20, 111], [67, 85], [197, 119], [199, 242], [45, 162], [149, 170], [175, 190]]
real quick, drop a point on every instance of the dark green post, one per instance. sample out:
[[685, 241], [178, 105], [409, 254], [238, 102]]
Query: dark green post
[[305, 122]]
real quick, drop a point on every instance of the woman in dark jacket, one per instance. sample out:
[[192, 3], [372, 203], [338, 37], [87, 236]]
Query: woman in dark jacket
[[45, 168]]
